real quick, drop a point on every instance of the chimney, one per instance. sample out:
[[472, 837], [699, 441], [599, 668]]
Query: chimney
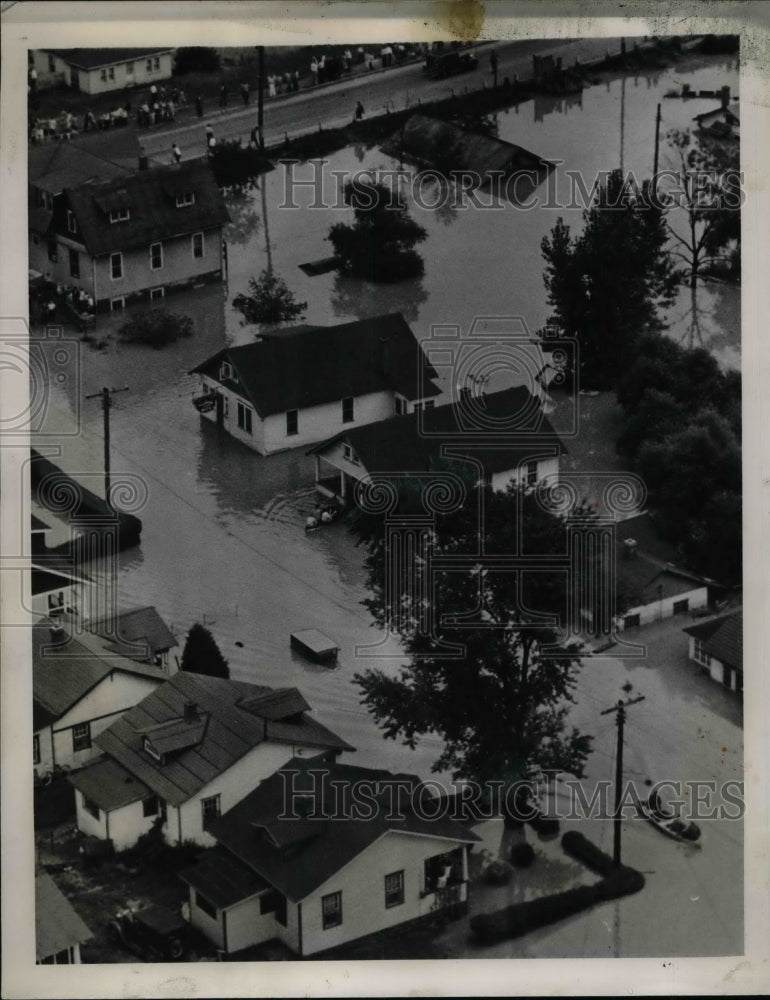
[[725, 95], [385, 360], [629, 548], [190, 711]]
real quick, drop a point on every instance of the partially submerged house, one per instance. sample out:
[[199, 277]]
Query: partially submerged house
[[303, 860], [716, 646], [486, 161], [59, 930], [301, 384], [96, 71], [79, 687], [189, 752], [139, 634], [723, 122], [507, 432]]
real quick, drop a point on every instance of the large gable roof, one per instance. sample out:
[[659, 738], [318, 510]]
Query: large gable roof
[[296, 856], [151, 199], [412, 442], [231, 729], [302, 366]]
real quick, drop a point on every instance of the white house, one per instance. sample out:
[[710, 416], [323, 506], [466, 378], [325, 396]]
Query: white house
[[295, 386], [59, 930], [320, 856], [96, 71], [190, 751], [507, 432], [717, 647], [79, 688], [140, 634]]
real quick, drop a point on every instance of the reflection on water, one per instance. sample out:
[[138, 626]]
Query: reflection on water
[[358, 298]]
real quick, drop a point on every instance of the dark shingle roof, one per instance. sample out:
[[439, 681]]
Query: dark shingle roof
[[318, 847], [61, 165], [652, 574], [109, 785], [57, 925], [134, 627], [96, 58], [308, 365], [222, 879], [150, 197], [65, 669], [37, 524], [400, 444], [722, 638], [230, 732]]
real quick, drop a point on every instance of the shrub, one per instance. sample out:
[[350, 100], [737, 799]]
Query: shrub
[[518, 919], [544, 826], [156, 327], [234, 164], [522, 855], [497, 873], [196, 59], [581, 848]]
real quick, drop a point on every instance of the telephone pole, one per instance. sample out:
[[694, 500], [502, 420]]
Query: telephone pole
[[106, 398], [261, 97], [620, 708], [657, 151]]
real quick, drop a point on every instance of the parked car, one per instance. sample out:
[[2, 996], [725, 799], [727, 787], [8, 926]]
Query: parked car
[[449, 63], [155, 934]]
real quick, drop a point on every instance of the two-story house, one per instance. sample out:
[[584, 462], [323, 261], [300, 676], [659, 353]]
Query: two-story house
[[320, 856], [79, 687], [301, 384], [139, 237], [96, 71], [518, 445], [190, 751]]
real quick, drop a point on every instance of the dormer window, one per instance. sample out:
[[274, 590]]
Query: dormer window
[[186, 198], [225, 371], [349, 454], [150, 749], [120, 215]]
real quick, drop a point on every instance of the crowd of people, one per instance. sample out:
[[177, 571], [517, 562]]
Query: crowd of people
[[56, 303]]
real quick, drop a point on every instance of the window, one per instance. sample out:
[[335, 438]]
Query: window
[[225, 371], [116, 266], [35, 749], [186, 198], [81, 736], [103, 76], [150, 806], [430, 404], [53, 250], [150, 749], [394, 889], [74, 264], [210, 810], [111, 72], [292, 422], [331, 910], [56, 603], [91, 807], [631, 621], [400, 406], [531, 473], [418, 407], [157, 293], [700, 655], [268, 902], [120, 215], [107, 74], [72, 225], [441, 869], [244, 418], [349, 454], [156, 63], [45, 200], [148, 65], [129, 69], [197, 246], [680, 607], [347, 410], [116, 305], [205, 904], [156, 256]]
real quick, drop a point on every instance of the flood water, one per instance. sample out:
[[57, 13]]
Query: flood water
[[223, 540]]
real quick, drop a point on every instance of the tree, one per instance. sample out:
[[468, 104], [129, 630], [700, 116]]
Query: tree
[[201, 655], [505, 703], [379, 246], [269, 301], [608, 285], [196, 59], [156, 327]]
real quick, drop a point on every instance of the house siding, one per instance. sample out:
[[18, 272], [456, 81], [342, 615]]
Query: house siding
[[546, 468], [123, 826], [45, 738], [658, 610], [86, 823], [90, 82], [713, 667], [246, 926], [362, 884], [316, 423]]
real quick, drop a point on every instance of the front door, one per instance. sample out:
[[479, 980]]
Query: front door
[[220, 409]]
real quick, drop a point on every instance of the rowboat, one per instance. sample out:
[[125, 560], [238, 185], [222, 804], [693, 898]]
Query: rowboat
[[671, 825]]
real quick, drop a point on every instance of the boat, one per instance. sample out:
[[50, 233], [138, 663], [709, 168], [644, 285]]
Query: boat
[[671, 825], [314, 645]]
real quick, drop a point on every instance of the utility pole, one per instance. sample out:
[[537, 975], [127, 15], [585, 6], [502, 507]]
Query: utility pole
[[105, 395], [261, 96], [657, 151], [620, 708]]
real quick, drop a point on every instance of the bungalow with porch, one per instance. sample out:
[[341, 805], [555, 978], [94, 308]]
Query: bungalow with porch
[[59, 929], [320, 856], [190, 751], [301, 384], [96, 71], [79, 687], [717, 647], [138, 237], [140, 634], [514, 442]]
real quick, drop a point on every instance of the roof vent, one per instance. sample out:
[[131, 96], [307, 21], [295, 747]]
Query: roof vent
[[629, 548]]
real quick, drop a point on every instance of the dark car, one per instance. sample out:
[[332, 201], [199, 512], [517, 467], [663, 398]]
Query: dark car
[[156, 934], [439, 65]]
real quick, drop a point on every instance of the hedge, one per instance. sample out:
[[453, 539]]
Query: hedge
[[580, 847]]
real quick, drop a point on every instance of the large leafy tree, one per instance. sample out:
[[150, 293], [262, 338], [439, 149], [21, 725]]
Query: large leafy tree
[[270, 301], [201, 655], [505, 703], [379, 246], [608, 285]]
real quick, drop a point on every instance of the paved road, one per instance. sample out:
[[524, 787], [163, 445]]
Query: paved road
[[393, 89]]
